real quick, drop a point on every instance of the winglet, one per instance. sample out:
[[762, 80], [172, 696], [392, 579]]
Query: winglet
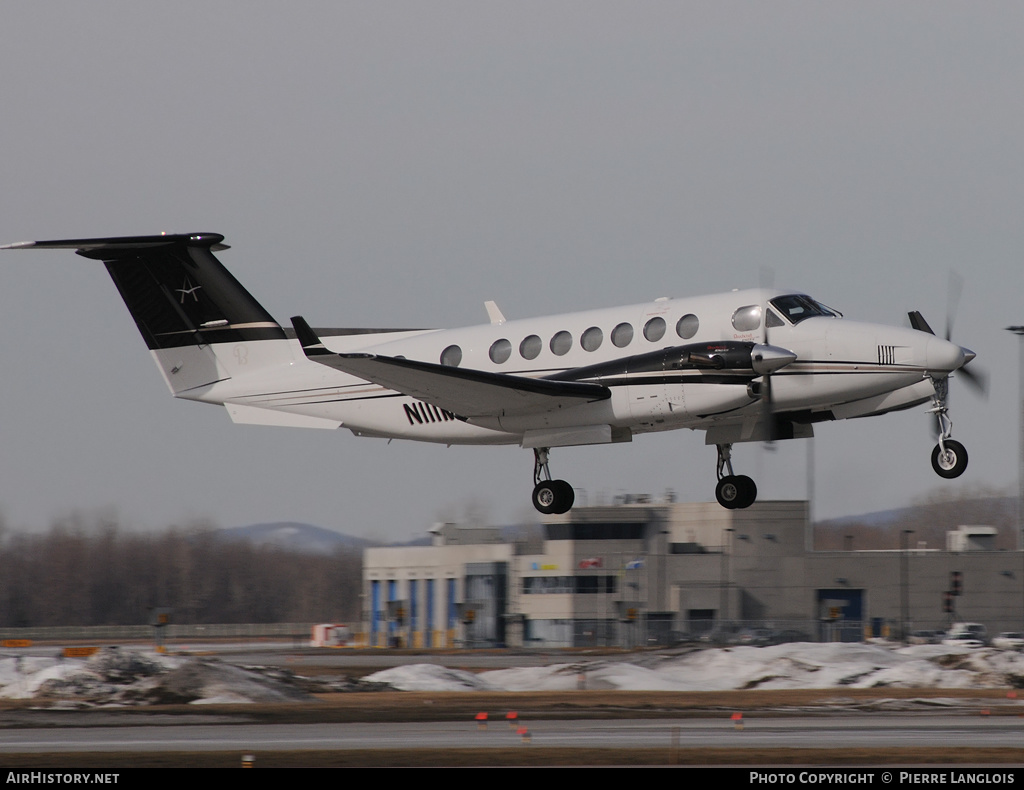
[[311, 344]]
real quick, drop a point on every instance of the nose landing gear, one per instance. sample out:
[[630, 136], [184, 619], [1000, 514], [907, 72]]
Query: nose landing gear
[[733, 491], [949, 457]]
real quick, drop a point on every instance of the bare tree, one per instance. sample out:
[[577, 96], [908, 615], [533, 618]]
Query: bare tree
[[94, 573]]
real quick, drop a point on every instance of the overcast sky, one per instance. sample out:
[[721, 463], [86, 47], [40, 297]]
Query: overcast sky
[[398, 163]]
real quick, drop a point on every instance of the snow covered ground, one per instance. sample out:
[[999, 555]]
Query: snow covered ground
[[800, 665], [128, 677]]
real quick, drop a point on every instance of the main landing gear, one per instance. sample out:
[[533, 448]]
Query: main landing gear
[[549, 496], [733, 491], [949, 457]]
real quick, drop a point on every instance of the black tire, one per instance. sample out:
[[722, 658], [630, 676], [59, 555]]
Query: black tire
[[952, 463], [748, 491], [566, 497], [729, 492], [553, 496]]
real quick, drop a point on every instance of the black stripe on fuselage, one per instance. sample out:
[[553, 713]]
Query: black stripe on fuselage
[[693, 376]]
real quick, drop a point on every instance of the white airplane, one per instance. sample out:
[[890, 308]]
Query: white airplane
[[755, 365]]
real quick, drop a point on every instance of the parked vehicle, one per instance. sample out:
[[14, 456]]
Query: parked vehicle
[[755, 636], [1009, 640], [963, 640], [926, 637], [963, 631]]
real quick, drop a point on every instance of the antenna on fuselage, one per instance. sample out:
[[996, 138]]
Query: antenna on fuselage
[[494, 313]]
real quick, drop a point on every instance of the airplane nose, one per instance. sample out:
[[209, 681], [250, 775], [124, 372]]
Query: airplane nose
[[945, 357]]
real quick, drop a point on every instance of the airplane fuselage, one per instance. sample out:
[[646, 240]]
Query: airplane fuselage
[[841, 368]]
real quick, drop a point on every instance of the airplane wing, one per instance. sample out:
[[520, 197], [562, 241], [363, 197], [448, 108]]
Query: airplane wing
[[467, 393]]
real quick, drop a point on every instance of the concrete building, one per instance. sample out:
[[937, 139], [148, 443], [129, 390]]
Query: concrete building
[[415, 596], [638, 574]]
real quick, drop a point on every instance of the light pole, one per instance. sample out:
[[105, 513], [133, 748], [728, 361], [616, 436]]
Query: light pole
[[1019, 332], [726, 548], [904, 589]]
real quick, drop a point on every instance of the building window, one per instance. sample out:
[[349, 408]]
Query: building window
[[569, 585]]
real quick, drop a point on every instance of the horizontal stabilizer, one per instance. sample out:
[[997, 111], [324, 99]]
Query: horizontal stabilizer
[[213, 241], [467, 393]]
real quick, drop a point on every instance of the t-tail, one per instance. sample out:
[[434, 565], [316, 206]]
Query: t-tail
[[202, 327]]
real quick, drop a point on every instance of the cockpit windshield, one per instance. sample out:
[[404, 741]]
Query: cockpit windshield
[[797, 307]]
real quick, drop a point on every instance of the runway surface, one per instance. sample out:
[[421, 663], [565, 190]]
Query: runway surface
[[824, 732]]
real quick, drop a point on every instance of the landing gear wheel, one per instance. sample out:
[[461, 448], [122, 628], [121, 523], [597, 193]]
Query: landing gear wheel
[[553, 496], [736, 492], [748, 491], [951, 463], [566, 498], [729, 492], [545, 496]]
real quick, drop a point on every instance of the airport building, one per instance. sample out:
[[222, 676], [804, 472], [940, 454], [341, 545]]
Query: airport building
[[642, 573]]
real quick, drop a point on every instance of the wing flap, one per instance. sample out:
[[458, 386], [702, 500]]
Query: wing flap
[[467, 393]]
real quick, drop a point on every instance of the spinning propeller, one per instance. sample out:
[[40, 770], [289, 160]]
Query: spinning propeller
[[976, 378]]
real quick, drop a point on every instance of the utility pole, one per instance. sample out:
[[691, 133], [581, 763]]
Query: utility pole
[[904, 586], [726, 548], [1019, 332]]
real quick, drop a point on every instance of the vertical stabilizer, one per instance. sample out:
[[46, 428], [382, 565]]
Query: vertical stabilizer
[[199, 322]]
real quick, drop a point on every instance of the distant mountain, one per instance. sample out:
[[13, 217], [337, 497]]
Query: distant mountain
[[293, 536], [878, 518], [306, 538], [928, 522], [984, 508]]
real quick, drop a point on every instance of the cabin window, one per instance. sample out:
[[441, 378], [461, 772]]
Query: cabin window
[[622, 335], [687, 326], [654, 329], [530, 347], [561, 343], [592, 339], [451, 356], [501, 350], [747, 318]]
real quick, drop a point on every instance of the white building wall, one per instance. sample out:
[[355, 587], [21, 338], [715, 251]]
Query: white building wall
[[406, 564]]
